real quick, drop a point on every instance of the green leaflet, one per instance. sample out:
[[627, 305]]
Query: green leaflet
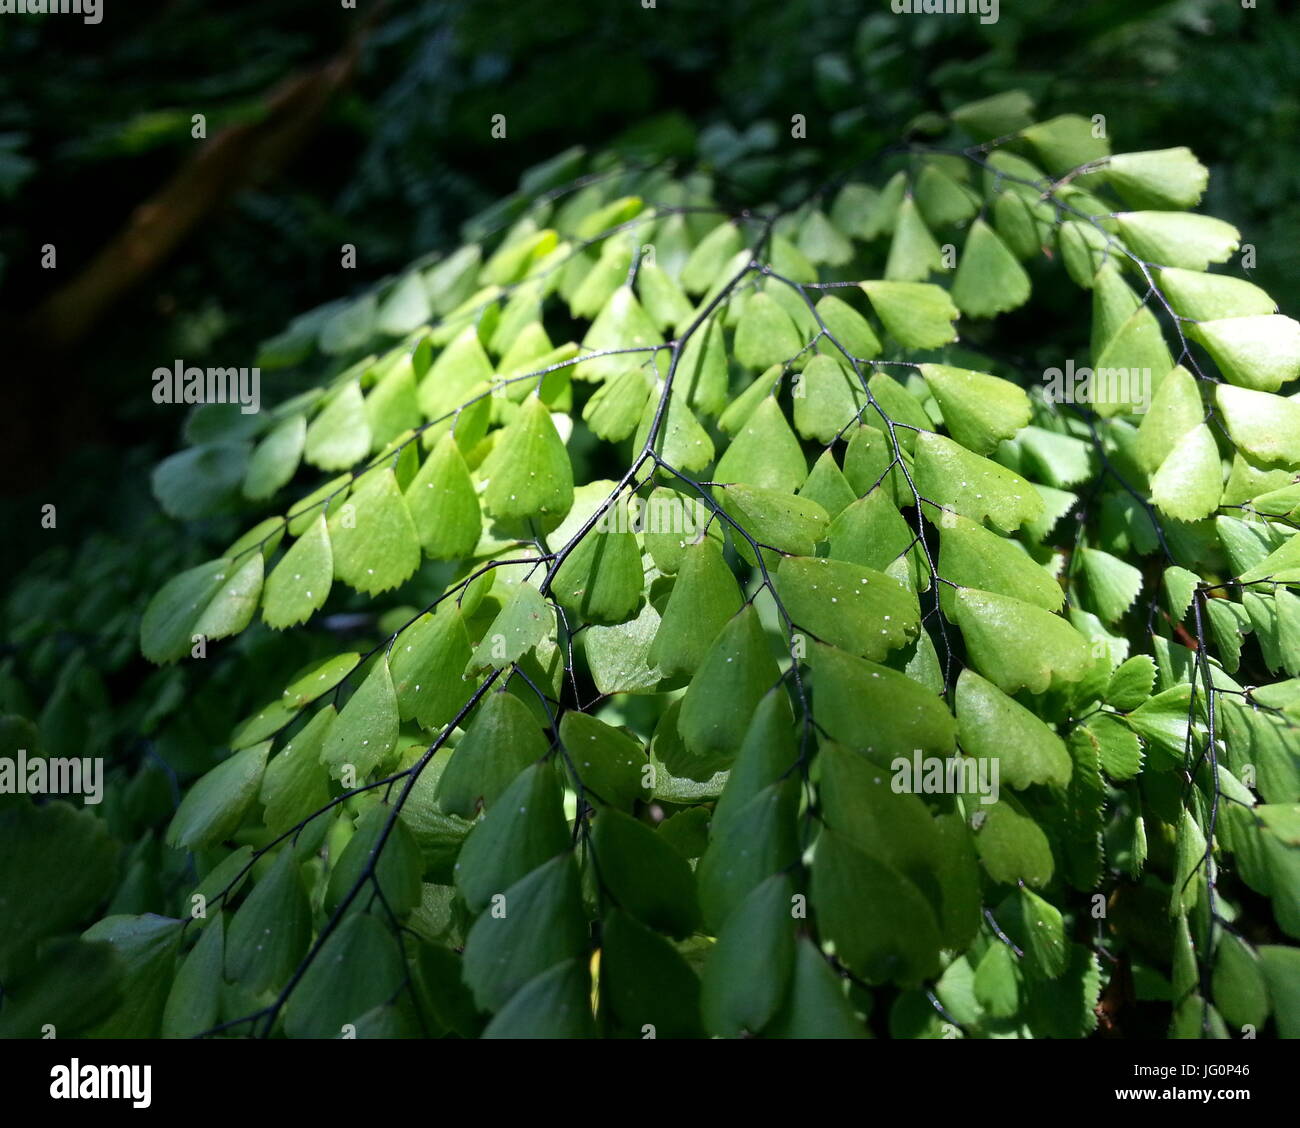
[[602, 280], [760, 839], [790, 261], [704, 598], [610, 763], [275, 459], [1060, 459], [301, 582], [194, 1002], [827, 485], [215, 806], [1281, 968], [1239, 989], [296, 783], [1012, 847], [621, 325], [765, 334], [899, 405], [359, 967], [78, 984], [271, 930], [210, 602], [556, 1004], [989, 278], [537, 923], [1112, 583], [1131, 683], [373, 537], [1132, 360], [885, 816], [302, 514], [662, 299], [1066, 142], [1176, 409], [365, 733], [755, 949], [1208, 297], [681, 440], [953, 477], [1264, 427], [396, 867], [766, 756], [764, 452], [317, 679], [774, 519], [264, 536], [427, 663], [405, 308], [856, 609], [735, 673], [618, 404], [524, 622], [992, 725], [1038, 927], [942, 199], [1085, 250], [827, 399], [443, 504], [997, 982], [529, 474], [1189, 482], [500, 742], [339, 437], [1113, 304], [868, 463], [702, 369], [1281, 565], [995, 116], [710, 256], [979, 410], [59, 860], [1161, 178], [391, 407], [1178, 239], [822, 242], [201, 481], [972, 556], [1017, 645], [601, 580], [848, 327], [1262, 353], [146, 949], [917, 315], [646, 983], [525, 829], [870, 532], [900, 946], [1162, 722], [766, 384], [461, 366], [875, 709], [645, 875], [913, 253], [671, 522], [816, 1006]]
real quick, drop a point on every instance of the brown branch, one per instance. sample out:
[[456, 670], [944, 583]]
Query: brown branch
[[235, 158]]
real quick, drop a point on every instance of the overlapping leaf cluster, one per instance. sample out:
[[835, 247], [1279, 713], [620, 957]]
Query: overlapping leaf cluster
[[622, 759]]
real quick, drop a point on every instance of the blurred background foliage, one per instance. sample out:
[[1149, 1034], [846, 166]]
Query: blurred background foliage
[[94, 120]]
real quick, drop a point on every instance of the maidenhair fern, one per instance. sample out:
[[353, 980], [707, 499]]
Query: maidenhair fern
[[862, 679]]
